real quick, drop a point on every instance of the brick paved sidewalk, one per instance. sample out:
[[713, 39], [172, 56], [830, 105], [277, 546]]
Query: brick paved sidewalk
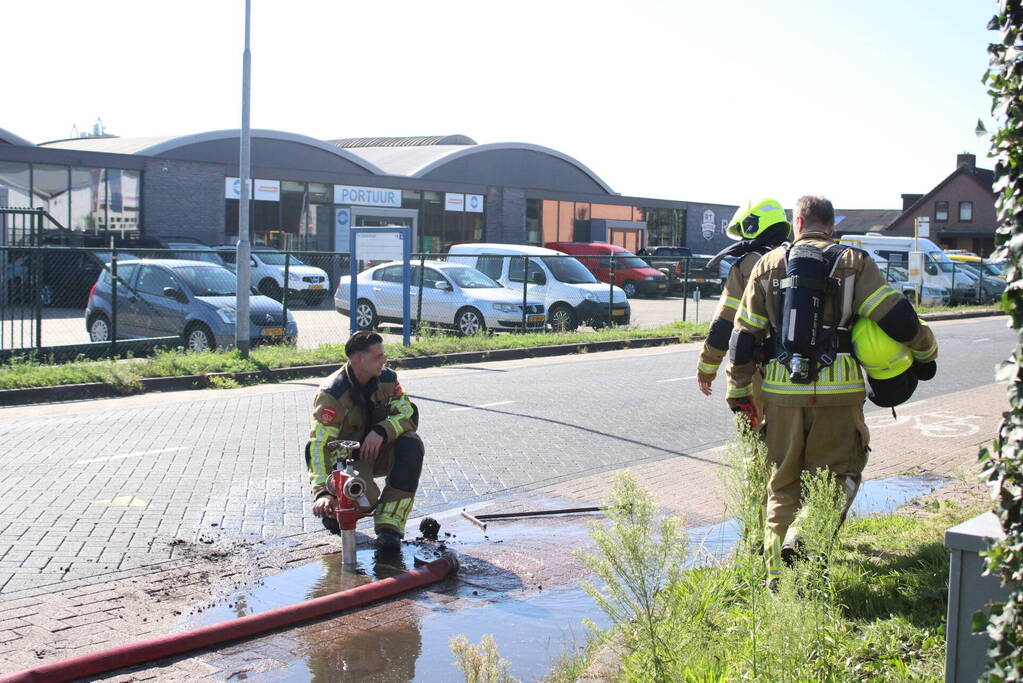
[[939, 435]]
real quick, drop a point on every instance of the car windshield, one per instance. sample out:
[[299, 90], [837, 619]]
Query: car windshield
[[568, 270], [275, 258], [626, 259], [469, 278], [208, 280]]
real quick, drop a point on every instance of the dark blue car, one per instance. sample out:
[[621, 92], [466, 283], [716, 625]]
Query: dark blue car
[[191, 299]]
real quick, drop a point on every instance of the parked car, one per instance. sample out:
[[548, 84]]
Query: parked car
[[192, 251], [680, 265], [569, 292], [308, 282], [195, 300], [990, 287], [930, 294], [631, 273], [67, 274], [453, 295]]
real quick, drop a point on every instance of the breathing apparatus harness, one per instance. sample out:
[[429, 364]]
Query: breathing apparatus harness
[[806, 344]]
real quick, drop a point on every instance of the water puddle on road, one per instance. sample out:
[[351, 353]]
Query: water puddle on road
[[514, 583], [711, 544]]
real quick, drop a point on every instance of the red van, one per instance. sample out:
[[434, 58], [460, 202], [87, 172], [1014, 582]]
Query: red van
[[631, 273]]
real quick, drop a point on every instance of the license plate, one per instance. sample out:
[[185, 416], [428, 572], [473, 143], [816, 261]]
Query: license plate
[[620, 314], [661, 286], [273, 331], [315, 286], [536, 318]]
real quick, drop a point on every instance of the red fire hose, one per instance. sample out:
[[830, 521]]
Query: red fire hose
[[243, 627]]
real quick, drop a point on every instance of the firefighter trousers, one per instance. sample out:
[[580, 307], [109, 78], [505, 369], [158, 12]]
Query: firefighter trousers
[[809, 438]]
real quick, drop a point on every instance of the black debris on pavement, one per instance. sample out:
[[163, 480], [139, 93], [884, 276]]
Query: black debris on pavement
[[430, 528]]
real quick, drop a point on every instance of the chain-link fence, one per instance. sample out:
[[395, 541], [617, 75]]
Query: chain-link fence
[[71, 301]]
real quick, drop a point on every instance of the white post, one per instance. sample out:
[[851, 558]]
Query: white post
[[242, 269]]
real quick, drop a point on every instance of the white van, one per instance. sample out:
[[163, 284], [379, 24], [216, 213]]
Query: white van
[[567, 288], [943, 281]]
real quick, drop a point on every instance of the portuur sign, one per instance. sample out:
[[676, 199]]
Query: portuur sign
[[367, 196]]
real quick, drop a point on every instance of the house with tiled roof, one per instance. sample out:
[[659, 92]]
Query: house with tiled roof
[[961, 209]]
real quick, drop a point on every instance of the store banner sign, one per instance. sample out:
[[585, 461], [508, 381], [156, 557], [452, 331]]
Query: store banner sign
[[342, 227], [262, 190], [267, 190], [454, 201], [367, 196], [474, 203]]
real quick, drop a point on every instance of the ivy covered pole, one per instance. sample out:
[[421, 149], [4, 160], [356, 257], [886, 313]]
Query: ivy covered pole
[[1002, 462]]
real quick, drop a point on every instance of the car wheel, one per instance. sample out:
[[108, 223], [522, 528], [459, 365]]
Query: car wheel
[[563, 318], [365, 315], [99, 328], [268, 287], [199, 338], [469, 321], [47, 296], [629, 288]]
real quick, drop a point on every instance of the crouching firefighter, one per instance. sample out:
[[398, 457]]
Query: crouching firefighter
[[364, 402], [806, 296], [760, 226]]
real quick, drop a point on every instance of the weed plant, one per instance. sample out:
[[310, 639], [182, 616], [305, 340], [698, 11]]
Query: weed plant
[[864, 604], [480, 663]]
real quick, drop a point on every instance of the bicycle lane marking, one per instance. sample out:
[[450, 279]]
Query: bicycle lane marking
[[940, 424]]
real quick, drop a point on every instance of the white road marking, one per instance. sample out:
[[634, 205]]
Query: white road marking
[[675, 379], [485, 405], [981, 339], [128, 455]]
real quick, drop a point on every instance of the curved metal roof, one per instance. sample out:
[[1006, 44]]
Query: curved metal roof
[[420, 141], [9, 138], [155, 146], [460, 152]]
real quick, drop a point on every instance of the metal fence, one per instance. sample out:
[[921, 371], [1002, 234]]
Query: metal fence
[[68, 302]]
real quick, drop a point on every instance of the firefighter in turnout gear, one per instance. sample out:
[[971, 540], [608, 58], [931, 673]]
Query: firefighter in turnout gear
[[760, 226], [364, 402], [806, 297]]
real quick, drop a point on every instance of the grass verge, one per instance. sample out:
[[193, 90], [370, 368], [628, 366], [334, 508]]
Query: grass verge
[[28, 372], [870, 607]]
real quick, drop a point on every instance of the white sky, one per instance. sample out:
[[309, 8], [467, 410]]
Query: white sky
[[700, 101]]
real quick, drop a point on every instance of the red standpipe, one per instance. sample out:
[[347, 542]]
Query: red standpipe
[[243, 627]]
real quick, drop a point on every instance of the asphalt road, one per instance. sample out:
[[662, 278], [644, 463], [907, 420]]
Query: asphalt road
[[102, 486]]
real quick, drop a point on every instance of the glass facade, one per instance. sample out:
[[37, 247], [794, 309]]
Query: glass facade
[[78, 198], [303, 219], [560, 221]]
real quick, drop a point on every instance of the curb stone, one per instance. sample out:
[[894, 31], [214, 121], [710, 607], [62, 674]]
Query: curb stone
[[92, 390]]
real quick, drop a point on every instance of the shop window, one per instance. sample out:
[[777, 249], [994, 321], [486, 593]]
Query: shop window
[[15, 179], [534, 230], [965, 212], [410, 199], [941, 211], [50, 191]]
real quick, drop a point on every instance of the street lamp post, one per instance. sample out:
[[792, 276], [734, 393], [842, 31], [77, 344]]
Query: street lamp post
[[243, 270]]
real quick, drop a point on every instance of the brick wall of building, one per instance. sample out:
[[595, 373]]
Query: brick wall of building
[[183, 198]]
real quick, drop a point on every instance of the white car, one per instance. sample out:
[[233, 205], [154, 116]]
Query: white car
[[308, 282], [453, 295]]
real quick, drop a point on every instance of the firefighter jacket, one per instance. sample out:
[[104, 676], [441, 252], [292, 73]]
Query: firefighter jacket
[[716, 345], [345, 410], [863, 291]]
